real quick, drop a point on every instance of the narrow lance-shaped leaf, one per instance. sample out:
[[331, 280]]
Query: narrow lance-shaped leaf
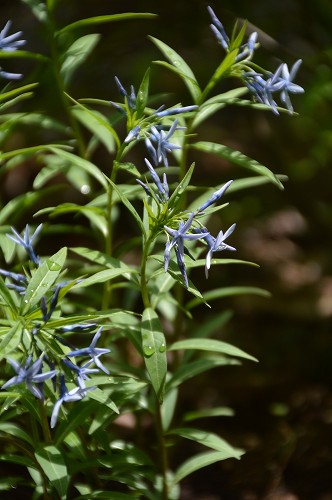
[[208, 439], [53, 464], [229, 291], [179, 66], [143, 94], [212, 345], [76, 54], [237, 158], [198, 462], [154, 349], [90, 21], [43, 279]]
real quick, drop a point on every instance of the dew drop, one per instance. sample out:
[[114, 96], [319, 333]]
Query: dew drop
[[162, 347], [148, 349], [85, 189], [53, 266]]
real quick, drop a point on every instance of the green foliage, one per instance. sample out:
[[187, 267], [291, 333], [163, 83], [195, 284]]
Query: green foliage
[[107, 330]]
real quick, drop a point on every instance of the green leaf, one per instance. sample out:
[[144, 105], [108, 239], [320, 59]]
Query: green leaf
[[216, 103], [5, 96], [181, 188], [237, 158], [90, 21], [208, 439], [11, 340], [154, 349], [102, 276], [53, 464], [7, 297], [143, 94], [38, 8], [198, 462], [16, 431], [190, 370], [107, 495], [179, 66], [228, 291], [43, 279], [97, 123], [211, 345], [76, 54], [123, 198], [83, 164], [18, 459], [221, 411]]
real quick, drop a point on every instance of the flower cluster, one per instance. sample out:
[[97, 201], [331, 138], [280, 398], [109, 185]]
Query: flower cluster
[[32, 373], [183, 233], [10, 43], [263, 85], [155, 133]]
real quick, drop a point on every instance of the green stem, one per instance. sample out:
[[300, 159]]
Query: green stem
[[144, 289], [162, 449], [44, 423]]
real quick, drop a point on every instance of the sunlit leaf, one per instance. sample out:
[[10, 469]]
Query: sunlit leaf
[[198, 462], [76, 54], [154, 349], [179, 66], [237, 158], [54, 467], [210, 345], [91, 21], [43, 279], [228, 291], [208, 439]]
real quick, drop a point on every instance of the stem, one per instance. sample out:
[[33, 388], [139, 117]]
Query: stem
[[144, 289], [44, 423], [162, 449]]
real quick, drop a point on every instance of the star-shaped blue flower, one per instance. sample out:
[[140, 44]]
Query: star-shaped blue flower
[[30, 374], [92, 351]]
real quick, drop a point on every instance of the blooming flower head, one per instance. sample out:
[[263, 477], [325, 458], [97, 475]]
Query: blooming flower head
[[179, 236], [9, 43], [66, 396], [215, 197], [217, 244], [162, 145], [26, 242], [92, 351], [30, 374]]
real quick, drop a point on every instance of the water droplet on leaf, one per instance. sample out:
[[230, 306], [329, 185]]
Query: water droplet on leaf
[[148, 349], [162, 347]]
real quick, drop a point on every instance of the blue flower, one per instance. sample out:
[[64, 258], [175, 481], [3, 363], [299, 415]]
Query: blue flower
[[218, 30], [179, 236], [288, 85], [215, 197], [10, 43], [30, 374], [92, 351], [163, 146], [66, 396], [175, 111], [131, 99], [133, 134], [26, 242], [217, 244], [162, 187], [20, 281], [81, 372]]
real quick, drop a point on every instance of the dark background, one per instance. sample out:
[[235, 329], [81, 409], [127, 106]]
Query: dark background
[[283, 404]]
